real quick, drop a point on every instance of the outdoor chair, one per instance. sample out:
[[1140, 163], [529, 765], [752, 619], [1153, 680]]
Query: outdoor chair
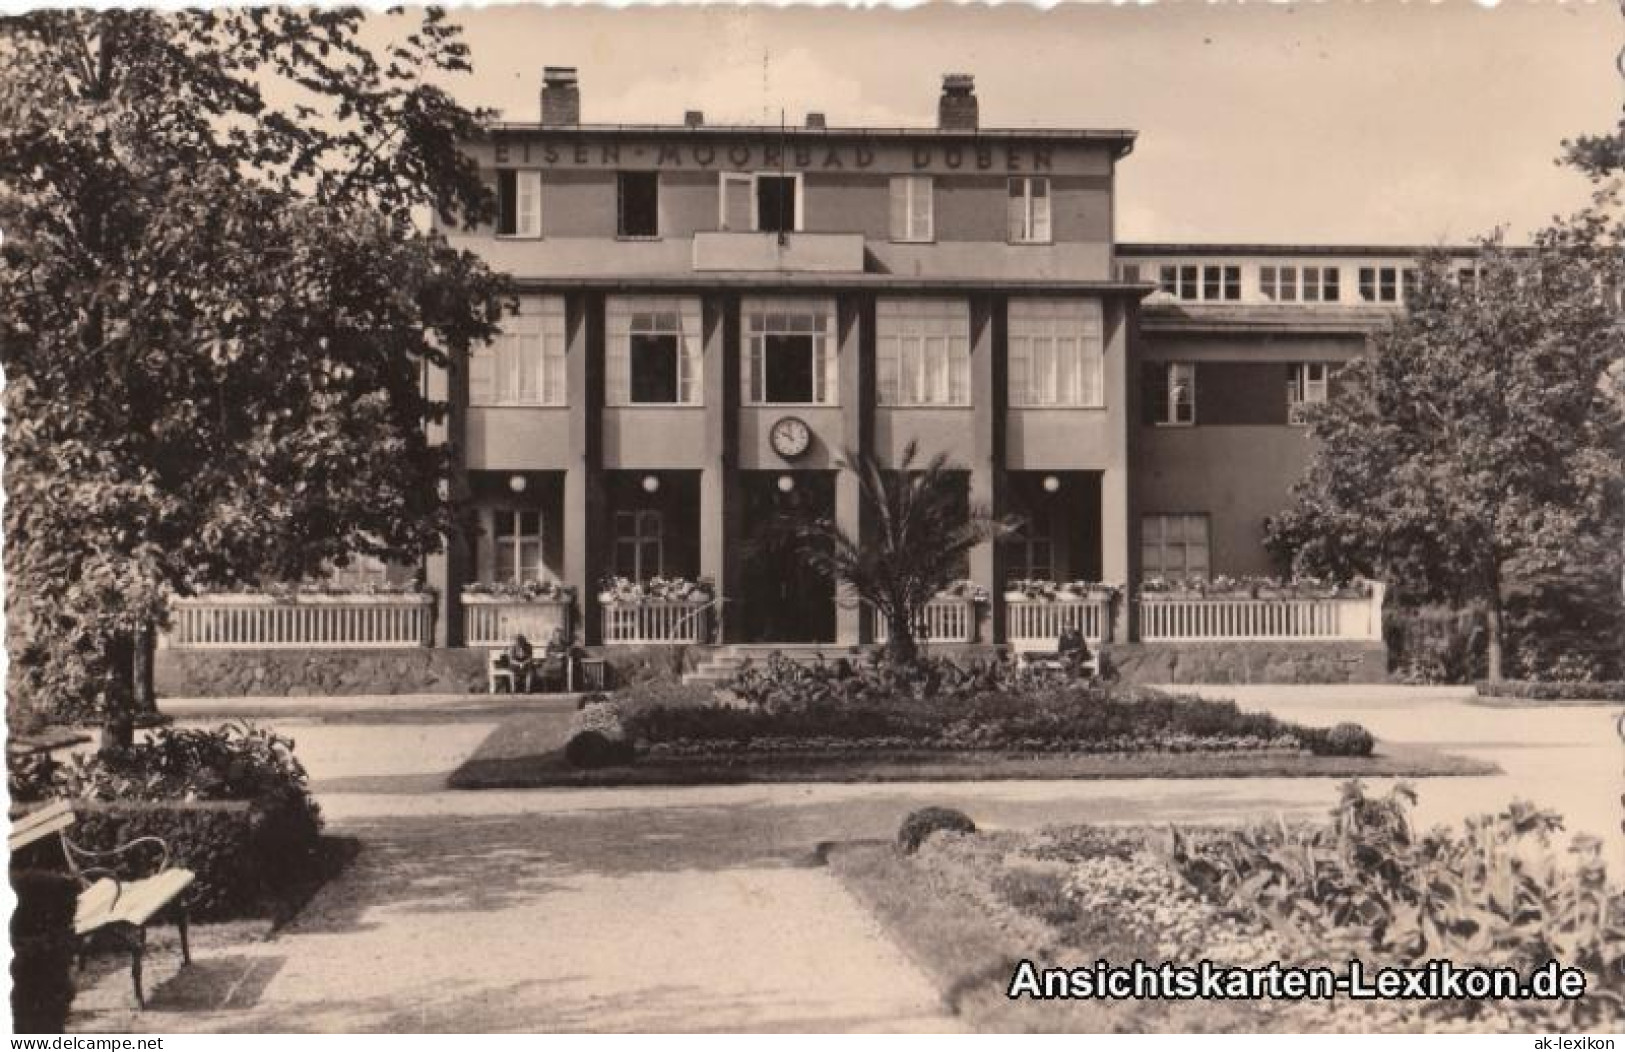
[[498, 671]]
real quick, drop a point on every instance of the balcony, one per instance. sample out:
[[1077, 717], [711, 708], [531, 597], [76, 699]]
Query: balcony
[[798, 252]]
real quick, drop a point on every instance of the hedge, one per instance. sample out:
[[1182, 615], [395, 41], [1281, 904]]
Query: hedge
[[1530, 690], [248, 855]]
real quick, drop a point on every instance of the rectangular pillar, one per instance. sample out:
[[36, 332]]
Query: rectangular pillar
[[719, 478], [583, 482], [855, 324], [1119, 500], [987, 467]]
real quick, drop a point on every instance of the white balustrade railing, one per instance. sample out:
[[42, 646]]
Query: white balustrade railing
[[1223, 619], [308, 621], [490, 620], [946, 620], [1037, 624], [657, 621]]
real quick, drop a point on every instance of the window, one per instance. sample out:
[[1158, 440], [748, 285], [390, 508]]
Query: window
[[653, 350], [518, 546], [736, 207], [1320, 285], [1056, 351], [519, 203], [1180, 281], [1030, 553], [1174, 546], [922, 351], [1029, 209], [911, 211], [1379, 284], [640, 548], [1305, 385], [1221, 282], [1279, 284], [763, 201], [525, 364], [638, 194], [1173, 394], [790, 352]]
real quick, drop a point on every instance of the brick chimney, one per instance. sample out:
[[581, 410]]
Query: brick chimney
[[956, 110], [694, 118], [816, 120], [561, 96]]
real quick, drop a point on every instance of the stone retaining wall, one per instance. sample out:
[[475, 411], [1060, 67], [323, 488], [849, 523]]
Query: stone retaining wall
[[1248, 662]]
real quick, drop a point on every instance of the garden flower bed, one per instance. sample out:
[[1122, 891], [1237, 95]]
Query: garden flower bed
[[1529, 692], [1366, 886]]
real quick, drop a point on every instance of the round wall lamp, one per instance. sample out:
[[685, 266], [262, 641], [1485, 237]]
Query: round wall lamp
[[651, 483], [517, 483], [786, 483], [1052, 484]]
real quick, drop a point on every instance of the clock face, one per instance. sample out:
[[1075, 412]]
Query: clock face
[[791, 437]]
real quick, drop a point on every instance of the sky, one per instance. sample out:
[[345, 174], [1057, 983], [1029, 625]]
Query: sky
[[1342, 122]]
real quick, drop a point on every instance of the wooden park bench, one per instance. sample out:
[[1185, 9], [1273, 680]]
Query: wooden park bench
[[122, 908]]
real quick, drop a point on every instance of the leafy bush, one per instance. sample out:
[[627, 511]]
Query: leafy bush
[[42, 943], [590, 750], [245, 857], [635, 666], [653, 694], [1345, 739], [600, 717], [919, 826], [1434, 644], [1367, 886], [1532, 691]]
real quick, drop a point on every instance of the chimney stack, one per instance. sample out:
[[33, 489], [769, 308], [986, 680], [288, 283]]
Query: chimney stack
[[694, 118], [561, 97], [815, 120], [956, 110]]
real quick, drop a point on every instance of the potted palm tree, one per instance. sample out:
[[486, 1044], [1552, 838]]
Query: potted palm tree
[[921, 530]]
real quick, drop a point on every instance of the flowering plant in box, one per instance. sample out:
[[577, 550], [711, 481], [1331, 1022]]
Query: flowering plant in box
[[622, 590], [526, 591], [964, 589], [1057, 591]]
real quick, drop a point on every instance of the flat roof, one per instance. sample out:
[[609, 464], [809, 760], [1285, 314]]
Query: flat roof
[[1122, 140], [1143, 248]]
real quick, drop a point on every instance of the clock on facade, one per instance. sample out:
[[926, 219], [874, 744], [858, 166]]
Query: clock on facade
[[791, 436]]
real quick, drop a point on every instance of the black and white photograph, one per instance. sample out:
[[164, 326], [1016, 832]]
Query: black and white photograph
[[724, 518]]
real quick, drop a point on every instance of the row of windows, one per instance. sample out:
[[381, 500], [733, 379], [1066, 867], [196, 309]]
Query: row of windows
[[1173, 395], [1225, 282], [768, 201], [653, 351]]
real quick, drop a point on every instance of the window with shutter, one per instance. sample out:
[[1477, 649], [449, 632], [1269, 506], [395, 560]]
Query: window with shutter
[[911, 208], [736, 207]]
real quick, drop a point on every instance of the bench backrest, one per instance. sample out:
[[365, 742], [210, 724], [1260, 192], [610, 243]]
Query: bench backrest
[[37, 825]]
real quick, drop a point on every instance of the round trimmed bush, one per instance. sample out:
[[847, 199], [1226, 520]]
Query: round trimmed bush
[[590, 750], [602, 716], [919, 826], [1345, 739]]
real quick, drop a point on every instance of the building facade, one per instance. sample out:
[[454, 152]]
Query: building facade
[[711, 318]]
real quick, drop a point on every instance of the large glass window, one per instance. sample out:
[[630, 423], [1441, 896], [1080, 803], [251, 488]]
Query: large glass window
[[524, 365], [911, 211], [1030, 553], [638, 198], [1221, 282], [790, 352], [1172, 393], [653, 350], [1379, 284], [1174, 545], [518, 550], [1305, 385], [1056, 350], [519, 202], [640, 544], [922, 352], [1029, 211]]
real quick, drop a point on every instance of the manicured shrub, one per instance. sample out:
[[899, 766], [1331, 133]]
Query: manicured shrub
[[233, 804], [602, 717], [635, 666], [1345, 739], [919, 826], [42, 943], [1532, 691], [590, 750]]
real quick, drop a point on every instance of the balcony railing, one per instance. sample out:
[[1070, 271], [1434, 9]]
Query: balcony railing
[[945, 620], [491, 620], [1173, 618], [1037, 624], [307, 621], [657, 621]]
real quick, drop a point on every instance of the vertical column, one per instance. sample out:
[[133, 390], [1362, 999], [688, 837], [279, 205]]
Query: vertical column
[[1119, 507], [447, 571], [719, 478], [987, 468], [855, 322], [583, 478]]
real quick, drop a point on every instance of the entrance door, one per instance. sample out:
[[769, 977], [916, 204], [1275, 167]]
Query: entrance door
[[782, 598]]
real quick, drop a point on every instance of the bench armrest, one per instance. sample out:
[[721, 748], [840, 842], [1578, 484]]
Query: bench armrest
[[86, 864]]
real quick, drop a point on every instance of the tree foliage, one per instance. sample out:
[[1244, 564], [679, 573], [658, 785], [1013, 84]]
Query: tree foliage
[[919, 530], [218, 301], [1480, 439]]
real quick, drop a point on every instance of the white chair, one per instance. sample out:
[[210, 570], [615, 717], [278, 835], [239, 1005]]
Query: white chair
[[497, 671]]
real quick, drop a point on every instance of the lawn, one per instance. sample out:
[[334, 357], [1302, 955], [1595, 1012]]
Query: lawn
[[527, 751], [968, 909]]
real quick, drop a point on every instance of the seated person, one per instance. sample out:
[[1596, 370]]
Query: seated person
[[519, 658], [1072, 651], [556, 657]]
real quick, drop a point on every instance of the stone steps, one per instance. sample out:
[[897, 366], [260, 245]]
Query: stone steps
[[722, 664]]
